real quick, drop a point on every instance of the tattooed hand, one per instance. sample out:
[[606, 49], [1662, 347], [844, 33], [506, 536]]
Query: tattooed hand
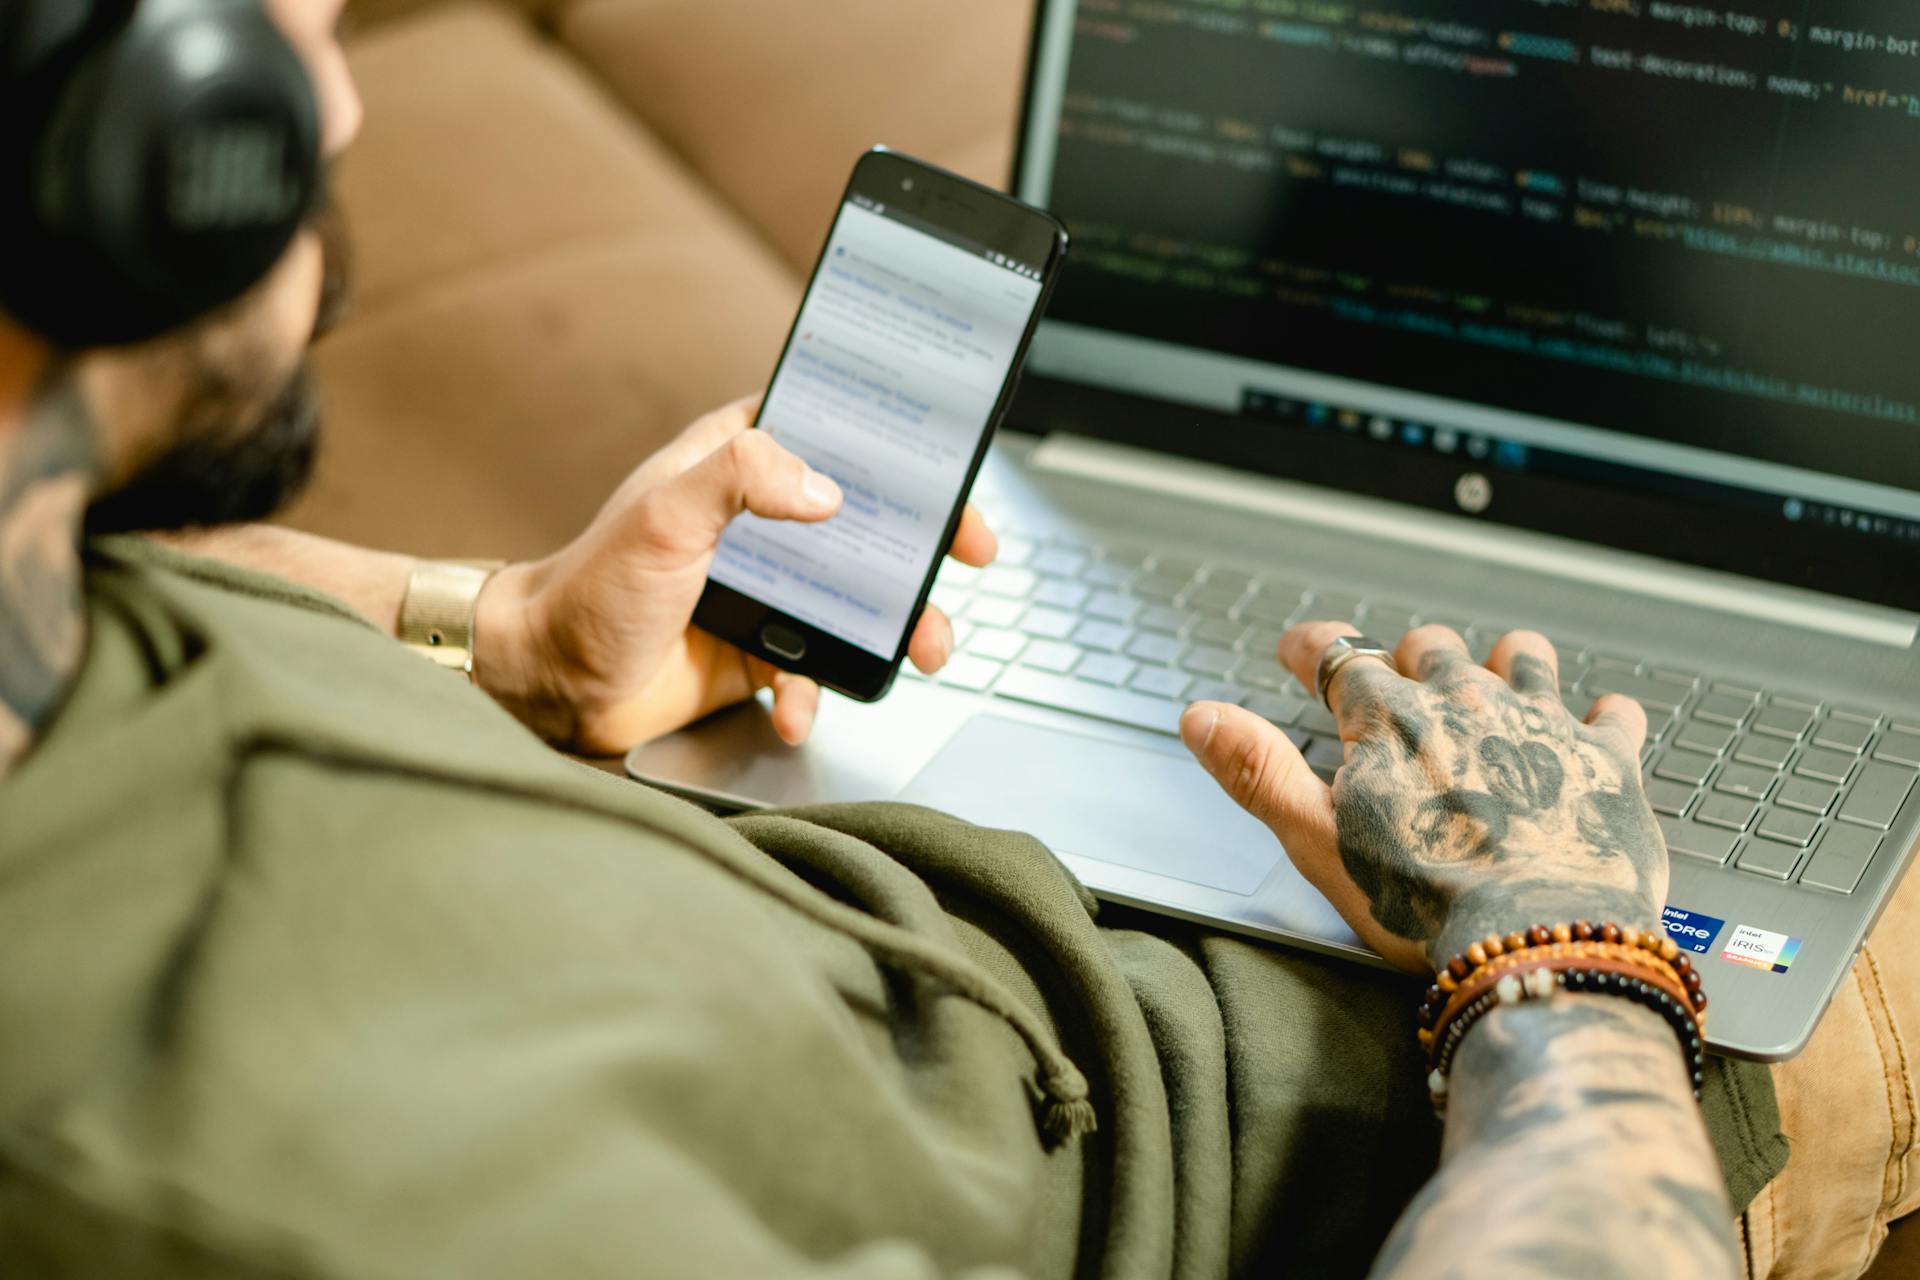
[[1470, 802]]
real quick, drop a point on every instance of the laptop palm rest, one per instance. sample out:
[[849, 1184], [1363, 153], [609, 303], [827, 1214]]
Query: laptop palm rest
[[1104, 801]]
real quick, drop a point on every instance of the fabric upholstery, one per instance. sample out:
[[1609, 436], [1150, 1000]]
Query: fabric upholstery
[[570, 249], [1851, 1104], [363, 14], [546, 296], [776, 115]]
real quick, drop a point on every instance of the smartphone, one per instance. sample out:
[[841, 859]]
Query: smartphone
[[901, 364]]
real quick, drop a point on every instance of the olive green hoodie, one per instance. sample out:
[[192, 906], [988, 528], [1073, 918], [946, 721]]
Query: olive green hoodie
[[314, 963]]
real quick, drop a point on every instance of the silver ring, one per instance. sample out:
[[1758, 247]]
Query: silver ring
[[1342, 651]]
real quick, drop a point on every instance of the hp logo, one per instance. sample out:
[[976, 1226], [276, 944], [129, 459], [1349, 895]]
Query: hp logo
[[1474, 493]]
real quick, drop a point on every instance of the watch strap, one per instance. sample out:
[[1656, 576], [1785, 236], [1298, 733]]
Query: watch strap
[[437, 615]]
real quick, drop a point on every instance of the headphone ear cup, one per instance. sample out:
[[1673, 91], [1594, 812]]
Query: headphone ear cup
[[32, 32], [41, 42], [179, 162]]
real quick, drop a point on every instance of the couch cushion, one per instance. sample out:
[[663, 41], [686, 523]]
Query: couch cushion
[[362, 14], [546, 295], [773, 100]]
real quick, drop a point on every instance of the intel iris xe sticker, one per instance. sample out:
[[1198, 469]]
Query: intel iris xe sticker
[[1759, 949], [1693, 931]]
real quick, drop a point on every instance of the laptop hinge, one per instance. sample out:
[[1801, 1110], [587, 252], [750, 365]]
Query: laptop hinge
[[1561, 558]]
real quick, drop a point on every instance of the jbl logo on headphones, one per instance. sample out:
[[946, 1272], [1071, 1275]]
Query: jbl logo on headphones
[[231, 175]]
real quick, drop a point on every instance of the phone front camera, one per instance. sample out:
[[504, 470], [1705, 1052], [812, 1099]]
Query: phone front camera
[[906, 184]]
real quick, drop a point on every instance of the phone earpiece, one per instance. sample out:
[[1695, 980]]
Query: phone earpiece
[[164, 153]]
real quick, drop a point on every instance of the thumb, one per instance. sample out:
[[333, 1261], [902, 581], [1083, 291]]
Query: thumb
[[750, 472], [1257, 765]]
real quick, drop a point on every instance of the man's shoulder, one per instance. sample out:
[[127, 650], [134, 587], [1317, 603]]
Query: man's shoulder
[[234, 668], [159, 567], [278, 663]]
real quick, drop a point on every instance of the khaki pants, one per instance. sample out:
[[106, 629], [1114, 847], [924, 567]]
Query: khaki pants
[[1849, 1104]]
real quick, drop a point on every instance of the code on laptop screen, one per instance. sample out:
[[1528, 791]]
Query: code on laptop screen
[[1689, 222]]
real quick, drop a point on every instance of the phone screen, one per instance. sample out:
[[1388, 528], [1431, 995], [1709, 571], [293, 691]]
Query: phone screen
[[893, 372]]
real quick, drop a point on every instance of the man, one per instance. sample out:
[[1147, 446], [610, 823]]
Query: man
[[314, 962]]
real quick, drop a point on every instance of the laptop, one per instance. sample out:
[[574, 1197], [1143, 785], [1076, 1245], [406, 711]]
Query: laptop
[[1421, 319]]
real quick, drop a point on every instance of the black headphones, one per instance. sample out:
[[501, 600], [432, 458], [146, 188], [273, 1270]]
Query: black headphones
[[156, 159]]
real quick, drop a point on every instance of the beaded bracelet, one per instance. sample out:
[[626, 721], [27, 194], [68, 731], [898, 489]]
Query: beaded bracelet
[[1461, 967], [1544, 978], [1608, 960], [1643, 963]]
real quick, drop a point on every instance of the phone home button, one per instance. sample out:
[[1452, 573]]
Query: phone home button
[[783, 642]]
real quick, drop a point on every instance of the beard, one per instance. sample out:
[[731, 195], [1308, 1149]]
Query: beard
[[245, 441], [203, 481]]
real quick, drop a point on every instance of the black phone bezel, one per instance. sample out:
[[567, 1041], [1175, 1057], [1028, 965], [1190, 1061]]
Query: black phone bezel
[[974, 212]]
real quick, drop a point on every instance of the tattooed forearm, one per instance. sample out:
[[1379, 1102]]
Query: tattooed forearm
[[1573, 1147], [1474, 802], [48, 461]]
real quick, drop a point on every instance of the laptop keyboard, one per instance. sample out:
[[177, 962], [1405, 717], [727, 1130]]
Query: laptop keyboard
[[1762, 783]]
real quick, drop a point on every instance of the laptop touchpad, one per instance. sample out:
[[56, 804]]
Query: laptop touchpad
[[1099, 799]]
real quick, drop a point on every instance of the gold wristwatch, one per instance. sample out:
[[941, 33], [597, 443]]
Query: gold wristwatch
[[437, 615]]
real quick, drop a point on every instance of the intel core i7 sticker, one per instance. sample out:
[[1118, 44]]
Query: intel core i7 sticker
[[1759, 949], [1693, 931]]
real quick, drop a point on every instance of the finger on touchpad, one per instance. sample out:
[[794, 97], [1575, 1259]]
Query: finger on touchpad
[[1099, 799]]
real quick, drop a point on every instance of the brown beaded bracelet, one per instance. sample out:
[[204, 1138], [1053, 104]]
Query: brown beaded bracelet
[[1647, 968], [1461, 967], [1543, 981], [1432, 1017]]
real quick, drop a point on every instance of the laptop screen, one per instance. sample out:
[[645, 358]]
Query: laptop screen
[[1666, 256]]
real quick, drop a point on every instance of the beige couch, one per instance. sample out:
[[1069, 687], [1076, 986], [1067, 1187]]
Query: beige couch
[[584, 222]]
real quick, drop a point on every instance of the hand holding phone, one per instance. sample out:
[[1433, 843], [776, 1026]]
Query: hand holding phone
[[591, 647], [899, 367]]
